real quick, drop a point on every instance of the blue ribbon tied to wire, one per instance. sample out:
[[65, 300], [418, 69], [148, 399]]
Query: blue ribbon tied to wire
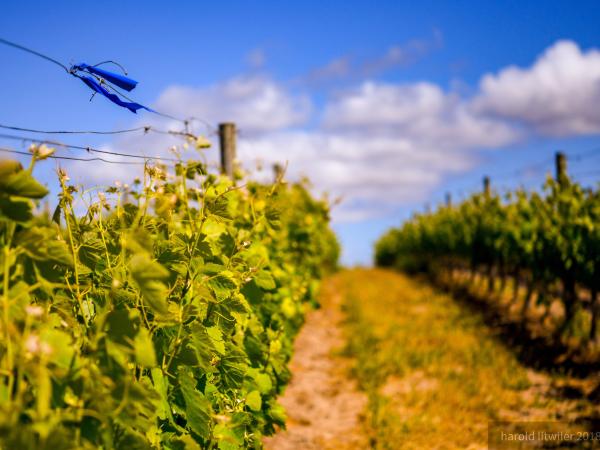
[[100, 78]]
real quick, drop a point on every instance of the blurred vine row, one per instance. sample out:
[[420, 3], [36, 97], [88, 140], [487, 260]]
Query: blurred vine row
[[532, 248]]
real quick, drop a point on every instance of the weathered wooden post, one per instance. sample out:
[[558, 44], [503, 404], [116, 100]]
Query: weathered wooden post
[[487, 192], [486, 186], [561, 168], [227, 139], [570, 298]]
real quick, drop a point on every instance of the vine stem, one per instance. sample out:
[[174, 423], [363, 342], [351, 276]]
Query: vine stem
[[69, 211], [177, 342], [102, 231], [5, 310]]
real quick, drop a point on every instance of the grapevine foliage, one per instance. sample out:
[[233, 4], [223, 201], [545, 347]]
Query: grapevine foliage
[[548, 240], [162, 317]]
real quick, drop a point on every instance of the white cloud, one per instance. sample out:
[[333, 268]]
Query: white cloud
[[257, 103], [421, 112], [372, 174], [558, 95]]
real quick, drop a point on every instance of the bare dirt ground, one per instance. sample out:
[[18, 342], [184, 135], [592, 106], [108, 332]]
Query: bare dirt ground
[[324, 406]]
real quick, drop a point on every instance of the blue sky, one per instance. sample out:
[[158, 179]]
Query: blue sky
[[383, 104]]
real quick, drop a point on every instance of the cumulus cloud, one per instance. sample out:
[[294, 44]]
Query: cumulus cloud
[[255, 102], [372, 174], [558, 95], [421, 111], [382, 145]]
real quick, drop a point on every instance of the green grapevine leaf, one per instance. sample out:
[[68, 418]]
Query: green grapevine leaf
[[20, 183], [197, 407], [254, 401], [148, 275], [144, 349]]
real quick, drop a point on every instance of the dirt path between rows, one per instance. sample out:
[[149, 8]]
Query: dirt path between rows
[[324, 406]]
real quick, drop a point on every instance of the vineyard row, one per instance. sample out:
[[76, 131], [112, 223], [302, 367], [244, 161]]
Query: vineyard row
[[161, 317], [545, 245]]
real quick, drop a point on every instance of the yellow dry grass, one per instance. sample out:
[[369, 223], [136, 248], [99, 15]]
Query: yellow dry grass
[[434, 373]]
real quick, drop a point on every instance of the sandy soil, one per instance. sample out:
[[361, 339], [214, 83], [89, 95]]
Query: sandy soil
[[324, 406]]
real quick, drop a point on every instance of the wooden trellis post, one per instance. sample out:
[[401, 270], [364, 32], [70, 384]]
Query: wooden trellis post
[[561, 168], [227, 139], [486, 186]]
